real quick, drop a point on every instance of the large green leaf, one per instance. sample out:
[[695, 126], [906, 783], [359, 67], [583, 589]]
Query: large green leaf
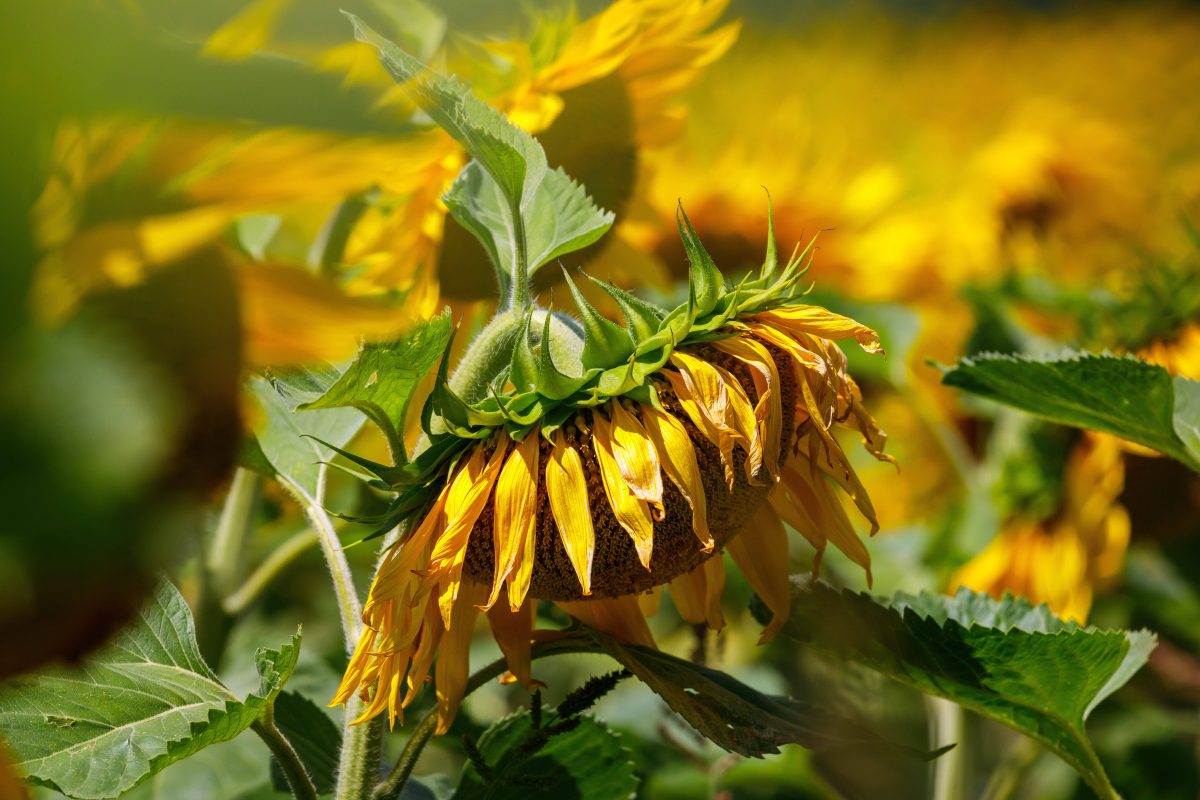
[[288, 438], [561, 218], [144, 702], [523, 213], [1005, 659], [587, 762], [736, 717], [1123, 396], [316, 739], [382, 380]]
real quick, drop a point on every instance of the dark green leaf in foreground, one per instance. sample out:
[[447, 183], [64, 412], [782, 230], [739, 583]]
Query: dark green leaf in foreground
[[144, 702], [1121, 395], [315, 737], [383, 379], [587, 762], [1005, 659], [733, 715]]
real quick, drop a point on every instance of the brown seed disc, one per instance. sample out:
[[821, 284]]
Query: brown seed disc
[[616, 570]]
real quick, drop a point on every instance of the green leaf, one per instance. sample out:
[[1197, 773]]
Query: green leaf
[[1005, 659], [512, 157], [315, 737], [381, 381], [642, 320], [588, 762], [146, 701], [1123, 396], [288, 439], [733, 715], [1187, 415], [560, 219]]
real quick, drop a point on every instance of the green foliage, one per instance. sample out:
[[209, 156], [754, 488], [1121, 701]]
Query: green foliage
[[383, 378], [313, 735], [1123, 396], [523, 213], [144, 702], [732, 715], [293, 443], [583, 759], [1005, 659]]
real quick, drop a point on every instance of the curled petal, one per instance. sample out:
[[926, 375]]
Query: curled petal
[[514, 633], [619, 617], [636, 456], [678, 458], [631, 513], [469, 492], [453, 662], [515, 518], [817, 321]]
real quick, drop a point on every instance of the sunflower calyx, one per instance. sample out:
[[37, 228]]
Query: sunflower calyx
[[545, 379]]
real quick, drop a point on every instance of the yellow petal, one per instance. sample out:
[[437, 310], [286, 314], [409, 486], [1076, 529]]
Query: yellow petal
[[741, 415], [619, 617], [701, 414], [678, 458], [697, 593], [453, 662], [247, 32], [814, 493], [513, 631], [515, 519], [566, 486], [648, 602], [635, 456], [760, 551], [469, 492], [430, 637], [768, 411], [805, 358], [818, 321], [714, 589], [631, 513]]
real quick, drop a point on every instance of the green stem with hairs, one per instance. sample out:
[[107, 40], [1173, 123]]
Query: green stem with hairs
[[224, 562], [286, 756]]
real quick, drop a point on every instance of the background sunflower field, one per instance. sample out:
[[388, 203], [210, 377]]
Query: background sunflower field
[[237, 257]]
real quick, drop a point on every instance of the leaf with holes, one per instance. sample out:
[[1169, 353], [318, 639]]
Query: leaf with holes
[[144, 702]]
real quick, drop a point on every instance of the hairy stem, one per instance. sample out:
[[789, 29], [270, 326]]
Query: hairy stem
[[297, 776], [358, 761]]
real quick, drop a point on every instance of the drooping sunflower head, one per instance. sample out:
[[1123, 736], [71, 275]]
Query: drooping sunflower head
[[680, 435]]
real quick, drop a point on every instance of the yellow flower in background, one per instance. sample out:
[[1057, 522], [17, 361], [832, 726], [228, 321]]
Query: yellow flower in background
[[1063, 561], [129, 196], [723, 444]]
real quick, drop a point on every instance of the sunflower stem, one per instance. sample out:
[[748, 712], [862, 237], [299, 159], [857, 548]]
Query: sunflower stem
[[948, 723], [358, 761], [286, 756], [518, 298]]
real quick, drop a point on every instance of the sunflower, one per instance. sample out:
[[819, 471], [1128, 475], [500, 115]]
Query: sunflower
[[1063, 561], [686, 433]]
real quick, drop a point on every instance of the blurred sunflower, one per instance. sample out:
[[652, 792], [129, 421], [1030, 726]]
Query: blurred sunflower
[[1064, 560], [689, 431], [129, 196]]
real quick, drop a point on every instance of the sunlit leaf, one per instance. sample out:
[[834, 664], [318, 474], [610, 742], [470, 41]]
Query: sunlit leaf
[[1124, 396], [144, 702], [383, 378]]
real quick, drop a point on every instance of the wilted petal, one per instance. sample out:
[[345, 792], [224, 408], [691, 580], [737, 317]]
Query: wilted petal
[[678, 458], [822, 322], [515, 519], [631, 513], [760, 551], [619, 617], [566, 486]]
